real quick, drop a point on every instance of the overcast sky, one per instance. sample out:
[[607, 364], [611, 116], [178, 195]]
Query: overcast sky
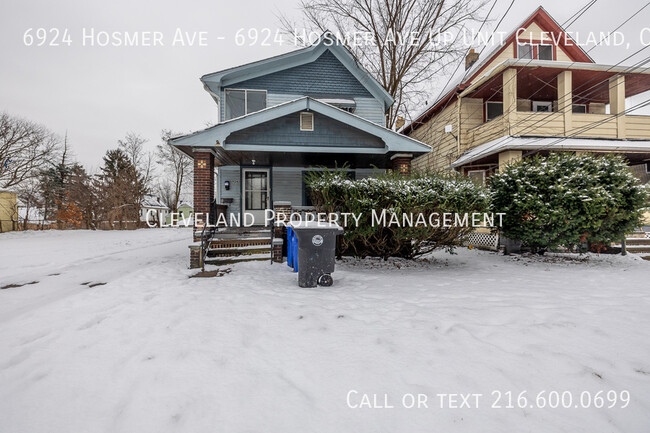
[[98, 94]]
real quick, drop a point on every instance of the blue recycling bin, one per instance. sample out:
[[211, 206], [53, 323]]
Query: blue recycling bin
[[292, 249]]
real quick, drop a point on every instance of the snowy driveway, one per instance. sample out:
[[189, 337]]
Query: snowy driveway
[[113, 336]]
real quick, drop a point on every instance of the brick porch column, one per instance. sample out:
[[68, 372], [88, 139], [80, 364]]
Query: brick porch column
[[203, 186], [282, 211], [401, 163]]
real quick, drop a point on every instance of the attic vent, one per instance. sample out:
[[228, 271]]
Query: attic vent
[[306, 121]]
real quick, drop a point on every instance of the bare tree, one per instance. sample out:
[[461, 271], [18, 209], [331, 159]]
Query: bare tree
[[29, 193], [177, 168], [404, 51], [25, 148]]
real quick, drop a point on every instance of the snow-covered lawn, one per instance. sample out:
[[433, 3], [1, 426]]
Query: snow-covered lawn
[[112, 336]]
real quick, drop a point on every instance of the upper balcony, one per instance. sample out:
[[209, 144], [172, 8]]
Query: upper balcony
[[558, 99]]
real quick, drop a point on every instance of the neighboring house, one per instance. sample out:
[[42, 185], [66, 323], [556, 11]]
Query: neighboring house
[[153, 210], [185, 212], [283, 116], [8, 211], [542, 94]]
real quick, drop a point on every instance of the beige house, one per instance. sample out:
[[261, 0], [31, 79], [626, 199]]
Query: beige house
[[536, 92], [8, 211]]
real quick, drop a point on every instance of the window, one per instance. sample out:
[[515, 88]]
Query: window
[[241, 102], [477, 176], [647, 167], [542, 106], [493, 109], [579, 108], [524, 51], [306, 121], [545, 52]]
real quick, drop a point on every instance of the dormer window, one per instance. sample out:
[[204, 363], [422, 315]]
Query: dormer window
[[240, 102], [537, 51], [545, 52], [524, 51]]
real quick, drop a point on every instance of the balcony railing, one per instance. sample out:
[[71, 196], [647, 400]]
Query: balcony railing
[[586, 125]]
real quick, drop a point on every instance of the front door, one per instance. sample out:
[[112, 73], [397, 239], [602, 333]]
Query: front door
[[256, 192]]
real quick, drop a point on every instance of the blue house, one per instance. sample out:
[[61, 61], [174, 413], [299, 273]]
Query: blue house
[[280, 118]]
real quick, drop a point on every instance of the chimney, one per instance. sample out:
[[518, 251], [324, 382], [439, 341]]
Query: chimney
[[399, 122], [470, 59]]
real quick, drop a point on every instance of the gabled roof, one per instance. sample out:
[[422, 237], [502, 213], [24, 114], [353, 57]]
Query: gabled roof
[[217, 135], [150, 201], [540, 17], [328, 41]]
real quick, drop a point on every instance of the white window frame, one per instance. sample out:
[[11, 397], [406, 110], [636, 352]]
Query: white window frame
[[225, 95], [486, 109], [546, 45], [312, 120], [548, 104], [477, 171]]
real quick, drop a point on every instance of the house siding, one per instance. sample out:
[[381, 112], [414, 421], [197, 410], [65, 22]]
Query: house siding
[[286, 131], [231, 173], [326, 77], [286, 184]]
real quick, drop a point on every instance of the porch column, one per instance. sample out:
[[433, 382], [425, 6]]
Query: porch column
[[401, 163], [617, 103], [203, 184], [565, 99], [509, 94], [507, 157]]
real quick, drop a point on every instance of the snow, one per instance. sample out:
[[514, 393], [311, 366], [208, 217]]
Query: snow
[[152, 350]]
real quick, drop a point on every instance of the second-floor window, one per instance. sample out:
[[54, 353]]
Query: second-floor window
[[538, 51], [240, 102]]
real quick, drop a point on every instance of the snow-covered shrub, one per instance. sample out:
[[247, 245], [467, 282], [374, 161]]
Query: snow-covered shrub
[[426, 194], [566, 199]]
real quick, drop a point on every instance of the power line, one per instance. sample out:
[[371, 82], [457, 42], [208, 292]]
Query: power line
[[580, 11]]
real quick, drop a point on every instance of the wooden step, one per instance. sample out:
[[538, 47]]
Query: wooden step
[[242, 251], [637, 241], [231, 260], [239, 243]]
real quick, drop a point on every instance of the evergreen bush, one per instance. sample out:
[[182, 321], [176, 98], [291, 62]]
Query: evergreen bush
[[334, 192], [568, 200]]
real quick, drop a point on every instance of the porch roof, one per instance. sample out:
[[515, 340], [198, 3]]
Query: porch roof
[[551, 144], [215, 137]]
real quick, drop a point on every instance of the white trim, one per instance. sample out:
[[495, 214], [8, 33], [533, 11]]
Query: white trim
[[401, 155], [548, 104], [225, 101], [258, 215]]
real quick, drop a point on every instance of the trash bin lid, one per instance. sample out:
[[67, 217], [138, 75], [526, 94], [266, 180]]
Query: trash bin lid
[[301, 225]]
